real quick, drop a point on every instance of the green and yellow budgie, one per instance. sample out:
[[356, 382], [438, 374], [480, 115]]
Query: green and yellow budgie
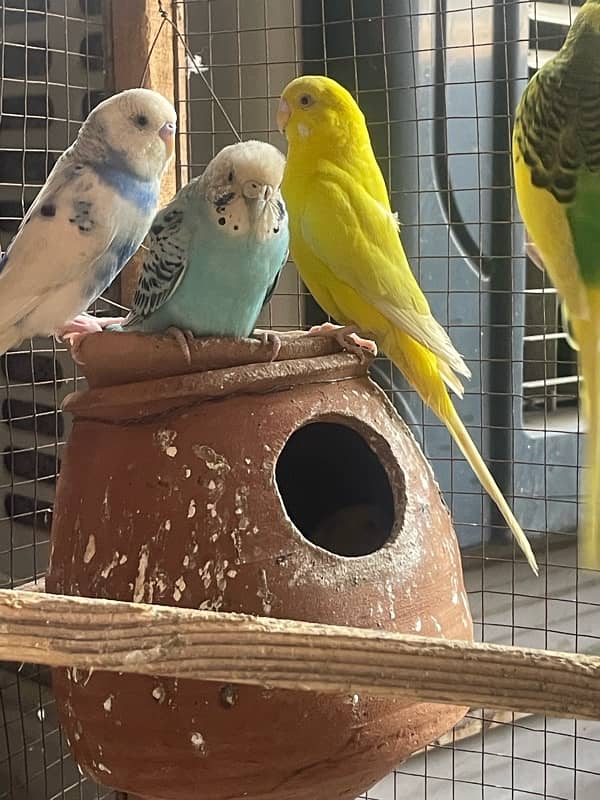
[[556, 156], [346, 246]]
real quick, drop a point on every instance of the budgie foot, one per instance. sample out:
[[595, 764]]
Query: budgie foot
[[78, 328], [86, 323], [269, 338], [183, 339], [347, 336]]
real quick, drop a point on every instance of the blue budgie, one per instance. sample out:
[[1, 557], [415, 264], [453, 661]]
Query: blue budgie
[[216, 251], [89, 218]]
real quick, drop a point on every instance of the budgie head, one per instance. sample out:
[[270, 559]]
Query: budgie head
[[242, 186], [582, 38], [316, 111], [135, 128]]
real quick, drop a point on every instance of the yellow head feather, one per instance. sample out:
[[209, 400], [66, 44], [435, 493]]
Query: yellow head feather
[[314, 107]]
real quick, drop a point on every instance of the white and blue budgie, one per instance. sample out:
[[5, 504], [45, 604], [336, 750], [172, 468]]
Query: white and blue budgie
[[89, 218], [216, 251]]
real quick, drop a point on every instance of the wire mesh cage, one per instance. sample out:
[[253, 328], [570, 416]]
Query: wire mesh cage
[[438, 81]]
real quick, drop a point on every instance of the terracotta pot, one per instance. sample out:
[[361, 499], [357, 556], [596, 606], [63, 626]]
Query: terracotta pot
[[289, 489]]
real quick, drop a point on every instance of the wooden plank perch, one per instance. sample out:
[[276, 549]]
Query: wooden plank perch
[[129, 637]]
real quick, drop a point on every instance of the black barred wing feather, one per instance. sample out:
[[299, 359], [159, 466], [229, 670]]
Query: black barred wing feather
[[164, 264]]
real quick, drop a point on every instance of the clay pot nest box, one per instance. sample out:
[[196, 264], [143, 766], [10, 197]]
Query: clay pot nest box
[[288, 489]]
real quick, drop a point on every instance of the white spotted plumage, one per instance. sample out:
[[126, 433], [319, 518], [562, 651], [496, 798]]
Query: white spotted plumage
[[88, 219]]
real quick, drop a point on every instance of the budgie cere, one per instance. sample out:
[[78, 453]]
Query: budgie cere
[[556, 158], [345, 243], [89, 218], [216, 251]]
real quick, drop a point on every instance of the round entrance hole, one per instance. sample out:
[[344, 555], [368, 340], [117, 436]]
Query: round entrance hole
[[335, 489]]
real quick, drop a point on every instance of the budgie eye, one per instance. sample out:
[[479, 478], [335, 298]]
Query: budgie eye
[[306, 100], [141, 120]]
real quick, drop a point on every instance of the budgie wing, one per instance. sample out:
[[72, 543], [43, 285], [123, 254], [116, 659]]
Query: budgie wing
[[164, 264], [63, 236], [366, 253], [556, 135]]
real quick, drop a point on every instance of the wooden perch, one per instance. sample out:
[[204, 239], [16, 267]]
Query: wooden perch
[[129, 637]]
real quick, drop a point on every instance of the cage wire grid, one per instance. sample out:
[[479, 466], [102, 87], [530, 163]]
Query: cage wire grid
[[438, 81]]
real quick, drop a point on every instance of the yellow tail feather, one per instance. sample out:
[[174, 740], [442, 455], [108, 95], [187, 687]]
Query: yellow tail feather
[[587, 333], [422, 370]]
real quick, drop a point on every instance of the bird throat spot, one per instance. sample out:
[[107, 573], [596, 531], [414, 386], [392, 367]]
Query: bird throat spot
[[335, 489]]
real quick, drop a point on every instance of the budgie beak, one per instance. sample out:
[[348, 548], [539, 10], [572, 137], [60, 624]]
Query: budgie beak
[[257, 197], [167, 134], [283, 115]]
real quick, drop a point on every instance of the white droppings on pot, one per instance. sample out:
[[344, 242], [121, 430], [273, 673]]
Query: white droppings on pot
[[165, 439], [418, 624], [171, 451], [90, 549], [102, 768], [213, 460], [110, 566], [123, 559], [231, 573], [211, 485], [140, 580], [186, 561], [204, 573], [105, 505], [191, 512], [167, 524], [264, 593], [392, 598], [198, 742], [180, 586], [107, 705], [159, 694]]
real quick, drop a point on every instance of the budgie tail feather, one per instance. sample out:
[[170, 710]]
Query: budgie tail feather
[[432, 390], [587, 333]]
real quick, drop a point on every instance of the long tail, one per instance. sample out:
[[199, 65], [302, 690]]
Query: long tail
[[421, 368], [587, 334]]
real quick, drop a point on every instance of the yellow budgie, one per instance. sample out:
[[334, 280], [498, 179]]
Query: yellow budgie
[[556, 156], [345, 243]]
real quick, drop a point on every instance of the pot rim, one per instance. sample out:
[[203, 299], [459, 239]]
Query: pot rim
[[115, 363]]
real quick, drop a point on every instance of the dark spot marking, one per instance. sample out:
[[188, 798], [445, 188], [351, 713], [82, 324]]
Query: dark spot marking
[[156, 229], [222, 220], [275, 230], [222, 201], [48, 210], [230, 176], [236, 227]]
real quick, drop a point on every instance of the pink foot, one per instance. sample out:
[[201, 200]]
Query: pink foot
[[78, 328], [346, 336], [86, 323], [183, 339], [269, 338]]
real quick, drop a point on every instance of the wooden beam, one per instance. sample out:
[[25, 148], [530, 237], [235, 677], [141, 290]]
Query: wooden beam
[[204, 645], [133, 27]]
